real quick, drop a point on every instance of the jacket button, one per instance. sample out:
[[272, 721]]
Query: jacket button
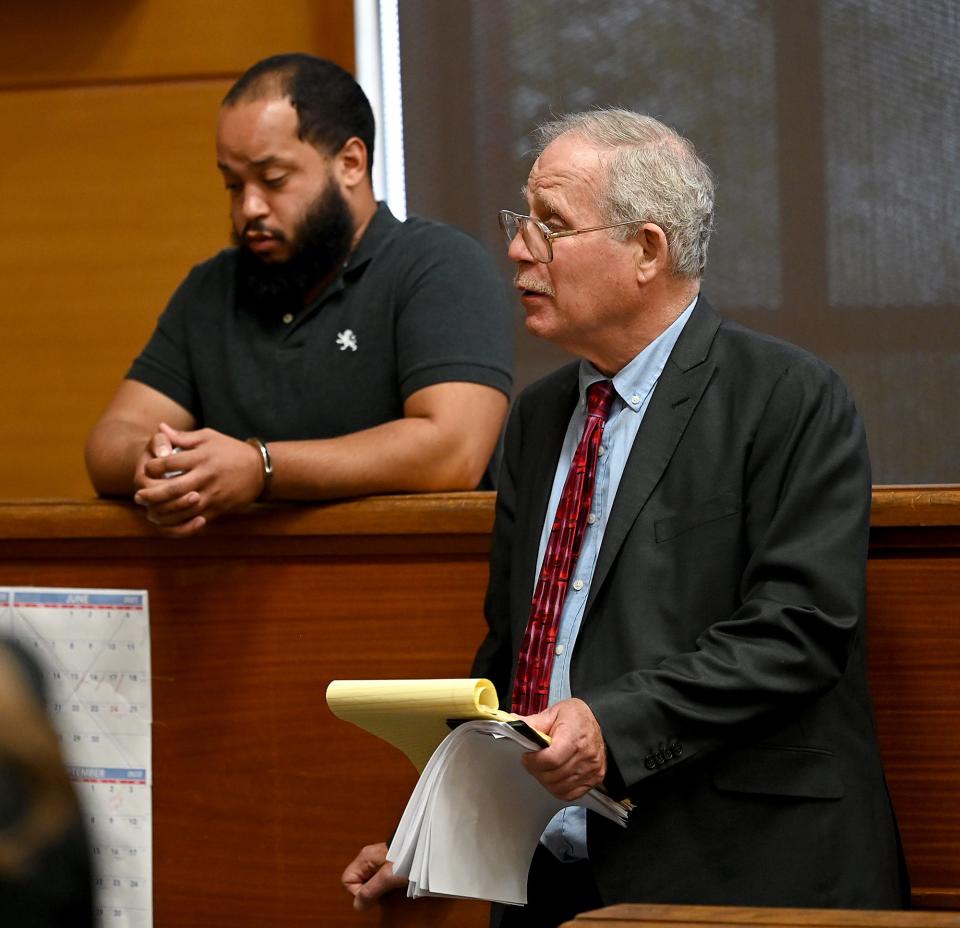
[[649, 762], [677, 748], [659, 759]]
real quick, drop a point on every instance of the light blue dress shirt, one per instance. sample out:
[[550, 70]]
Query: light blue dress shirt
[[566, 834]]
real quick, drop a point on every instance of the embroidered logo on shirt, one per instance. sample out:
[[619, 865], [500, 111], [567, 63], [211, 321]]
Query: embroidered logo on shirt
[[346, 339]]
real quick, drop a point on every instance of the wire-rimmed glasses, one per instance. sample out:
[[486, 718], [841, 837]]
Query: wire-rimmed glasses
[[538, 238]]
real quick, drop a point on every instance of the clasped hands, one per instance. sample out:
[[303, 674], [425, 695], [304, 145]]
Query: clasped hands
[[573, 764], [209, 474]]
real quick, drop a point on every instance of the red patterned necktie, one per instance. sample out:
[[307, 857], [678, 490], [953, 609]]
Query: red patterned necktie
[[531, 690]]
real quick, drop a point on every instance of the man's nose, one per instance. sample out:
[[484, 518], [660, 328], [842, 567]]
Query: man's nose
[[254, 205], [517, 250]]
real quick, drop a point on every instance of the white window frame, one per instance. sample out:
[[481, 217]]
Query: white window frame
[[377, 45]]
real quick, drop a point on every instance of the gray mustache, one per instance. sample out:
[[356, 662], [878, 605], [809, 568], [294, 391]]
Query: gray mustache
[[522, 282]]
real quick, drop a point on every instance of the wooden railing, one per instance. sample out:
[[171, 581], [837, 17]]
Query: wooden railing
[[261, 796], [711, 916]]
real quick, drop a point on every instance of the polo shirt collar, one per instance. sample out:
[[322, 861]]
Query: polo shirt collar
[[379, 229]]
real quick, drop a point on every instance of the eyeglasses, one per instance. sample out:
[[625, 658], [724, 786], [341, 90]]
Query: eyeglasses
[[538, 238]]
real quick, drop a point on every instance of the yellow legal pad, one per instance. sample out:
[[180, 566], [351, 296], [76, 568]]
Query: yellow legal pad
[[412, 714]]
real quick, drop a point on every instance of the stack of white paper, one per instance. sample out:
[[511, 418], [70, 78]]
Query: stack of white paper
[[473, 822]]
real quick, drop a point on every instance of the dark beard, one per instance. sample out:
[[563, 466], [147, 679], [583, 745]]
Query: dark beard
[[321, 244]]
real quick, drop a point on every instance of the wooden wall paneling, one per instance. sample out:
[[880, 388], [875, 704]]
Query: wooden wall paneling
[[706, 916], [261, 796], [64, 42], [914, 656], [110, 195]]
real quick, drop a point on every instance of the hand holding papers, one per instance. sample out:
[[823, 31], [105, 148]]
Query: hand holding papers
[[475, 816]]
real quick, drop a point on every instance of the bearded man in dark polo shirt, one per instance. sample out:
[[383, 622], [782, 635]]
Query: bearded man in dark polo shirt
[[335, 351]]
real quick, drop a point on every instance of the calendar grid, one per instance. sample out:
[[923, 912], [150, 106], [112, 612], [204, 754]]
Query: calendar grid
[[94, 648]]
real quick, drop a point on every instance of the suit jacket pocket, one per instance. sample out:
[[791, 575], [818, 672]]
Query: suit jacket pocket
[[726, 504], [772, 770]]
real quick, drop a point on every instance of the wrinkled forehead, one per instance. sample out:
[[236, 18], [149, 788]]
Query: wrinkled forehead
[[568, 174]]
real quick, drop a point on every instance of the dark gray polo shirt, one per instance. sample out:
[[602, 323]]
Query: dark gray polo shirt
[[419, 303]]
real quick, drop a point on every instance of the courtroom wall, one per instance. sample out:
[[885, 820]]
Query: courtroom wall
[[110, 193]]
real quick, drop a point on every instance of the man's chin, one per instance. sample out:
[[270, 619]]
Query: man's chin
[[273, 259], [538, 323], [269, 252]]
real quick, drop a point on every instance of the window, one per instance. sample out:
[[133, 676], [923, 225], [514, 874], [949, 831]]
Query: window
[[832, 126]]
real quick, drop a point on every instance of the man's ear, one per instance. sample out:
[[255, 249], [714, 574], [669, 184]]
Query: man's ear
[[350, 163], [652, 254]]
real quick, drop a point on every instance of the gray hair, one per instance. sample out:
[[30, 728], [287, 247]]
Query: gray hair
[[654, 175]]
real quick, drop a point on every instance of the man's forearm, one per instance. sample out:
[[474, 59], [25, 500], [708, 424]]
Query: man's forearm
[[407, 455], [119, 440], [443, 443], [112, 452]]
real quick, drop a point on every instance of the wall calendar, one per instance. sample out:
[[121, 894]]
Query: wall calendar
[[94, 648]]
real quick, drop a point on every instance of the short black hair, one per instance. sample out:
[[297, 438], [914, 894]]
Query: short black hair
[[330, 105]]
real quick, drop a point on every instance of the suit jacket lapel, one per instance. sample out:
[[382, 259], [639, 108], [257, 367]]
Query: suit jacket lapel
[[685, 377], [541, 452]]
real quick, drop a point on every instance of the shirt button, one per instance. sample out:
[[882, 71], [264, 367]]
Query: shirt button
[[578, 585], [634, 400], [602, 450], [287, 318], [558, 650], [591, 518]]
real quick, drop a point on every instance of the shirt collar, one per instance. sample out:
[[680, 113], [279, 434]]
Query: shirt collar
[[633, 382], [381, 225], [379, 229]]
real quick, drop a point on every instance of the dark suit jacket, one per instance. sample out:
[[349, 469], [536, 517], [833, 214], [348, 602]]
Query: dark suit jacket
[[722, 645]]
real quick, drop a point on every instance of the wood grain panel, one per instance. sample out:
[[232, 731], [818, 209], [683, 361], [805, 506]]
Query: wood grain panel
[[913, 627], [911, 506], [65, 42], [688, 916], [914, 640], [261, 796], [110, 195], [465, 517]]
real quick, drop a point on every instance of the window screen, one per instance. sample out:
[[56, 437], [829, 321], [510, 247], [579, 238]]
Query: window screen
[[832, 127]]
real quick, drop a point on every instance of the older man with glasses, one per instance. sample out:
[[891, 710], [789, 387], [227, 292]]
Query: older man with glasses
[[677, 579]]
